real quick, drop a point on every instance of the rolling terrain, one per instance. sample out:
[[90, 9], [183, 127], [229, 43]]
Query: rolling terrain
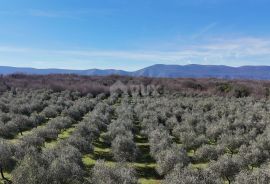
[[161, 71], [66, 138]]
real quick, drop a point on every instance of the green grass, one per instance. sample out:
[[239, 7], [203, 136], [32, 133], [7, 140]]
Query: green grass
[[145, 165], [88, 161], [17, 138], [7, 175], [66, 133], [63, 135], [191, 153], [101, 151], [148, 181], [200, 165]]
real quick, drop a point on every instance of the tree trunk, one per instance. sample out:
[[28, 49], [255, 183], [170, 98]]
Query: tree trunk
[[20, 130], [2, 175], [228, 179]]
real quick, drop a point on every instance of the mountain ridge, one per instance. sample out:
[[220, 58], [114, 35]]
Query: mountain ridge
[[160, 71]]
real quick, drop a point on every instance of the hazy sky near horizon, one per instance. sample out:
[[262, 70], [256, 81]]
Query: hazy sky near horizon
[[129, 35]]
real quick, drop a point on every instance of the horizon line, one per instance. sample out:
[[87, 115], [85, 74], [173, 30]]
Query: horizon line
[[35, 68]]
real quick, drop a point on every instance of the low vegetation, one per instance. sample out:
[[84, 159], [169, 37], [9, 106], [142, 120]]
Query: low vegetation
[[130, 136]]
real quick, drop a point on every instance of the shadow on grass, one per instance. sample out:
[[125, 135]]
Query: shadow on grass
[[144, 164], [140, 139], [103, 156], [176, 140], [147, 172], [101, 145], [144, 155]]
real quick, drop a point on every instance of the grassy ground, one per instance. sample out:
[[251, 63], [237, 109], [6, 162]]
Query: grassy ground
[[148, 181], [144, 165], [7, 175], [27, 132], [63, 135], [24, 133], [200, 165]]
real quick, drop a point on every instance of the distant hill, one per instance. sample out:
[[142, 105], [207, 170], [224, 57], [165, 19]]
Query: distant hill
[[206, 71], [160, 70], [6, 70]]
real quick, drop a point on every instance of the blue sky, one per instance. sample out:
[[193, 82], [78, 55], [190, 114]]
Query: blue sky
[[129, 35]]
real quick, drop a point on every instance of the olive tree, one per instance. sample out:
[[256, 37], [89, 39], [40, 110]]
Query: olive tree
[[167, 159], [81, 143], [258, 176], [124, 148], [6, 160], [50, 111], [206, 153], [252, 155], [31, 170], [191, 176], [159, 140], [104, 174], [226, 167], [64, 164]]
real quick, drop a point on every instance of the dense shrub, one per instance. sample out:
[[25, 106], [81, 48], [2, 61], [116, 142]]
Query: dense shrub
[[50, 111], [6, 155], [241, 91], [103, 174], [192, 176], [124, 148], [31, 170], [146, 86], [226, 167], [261, 175], [80, 143], [224, 87], [206, 153], [188, 138], [168, 159]]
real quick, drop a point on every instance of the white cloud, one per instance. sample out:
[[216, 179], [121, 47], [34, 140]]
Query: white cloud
[[235, 52]]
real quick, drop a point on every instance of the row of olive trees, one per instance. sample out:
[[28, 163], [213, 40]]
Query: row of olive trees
[[226, 167], [31, 144], [63, 163], [24, 101], [120, 134], [162, 148], [230, 135], [51, 105]]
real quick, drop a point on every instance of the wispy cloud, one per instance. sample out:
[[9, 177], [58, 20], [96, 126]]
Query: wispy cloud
[[235, 52], [13, 49], [51, 14], [204, 30]]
